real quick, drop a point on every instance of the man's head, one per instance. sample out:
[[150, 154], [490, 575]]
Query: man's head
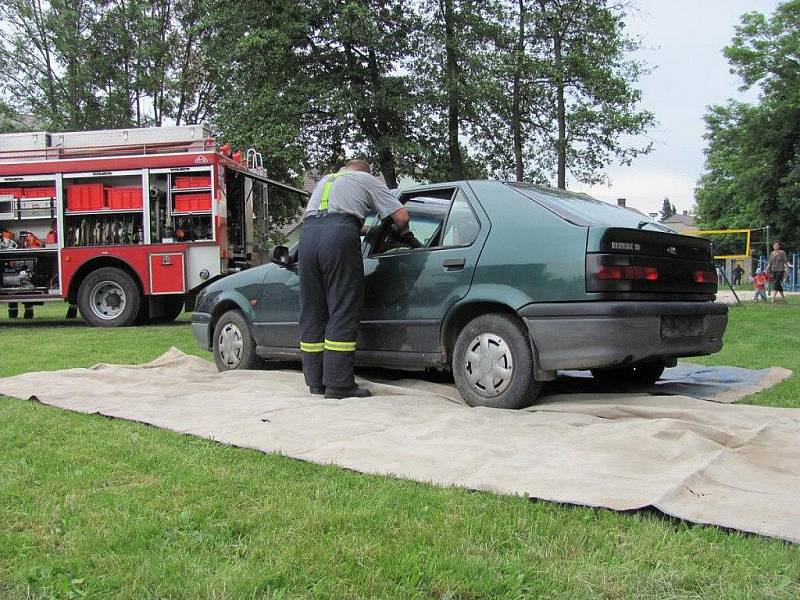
[[776, 245], [358, 165]]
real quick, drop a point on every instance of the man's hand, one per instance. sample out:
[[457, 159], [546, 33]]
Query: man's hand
[[399, 232], [405, 236], [400, 217]]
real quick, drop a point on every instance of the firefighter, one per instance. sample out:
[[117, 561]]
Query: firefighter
[[332, 274]]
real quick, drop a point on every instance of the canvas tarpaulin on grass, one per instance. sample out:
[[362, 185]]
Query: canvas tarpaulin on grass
[[723, 464]]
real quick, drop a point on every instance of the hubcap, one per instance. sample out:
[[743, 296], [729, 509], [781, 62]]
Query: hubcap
[[108, 300], [488, 364], [230, 346]]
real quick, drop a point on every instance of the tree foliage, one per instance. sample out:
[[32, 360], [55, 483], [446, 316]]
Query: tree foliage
[[88, 64], [752, 175], [667, 209], [434, 89]]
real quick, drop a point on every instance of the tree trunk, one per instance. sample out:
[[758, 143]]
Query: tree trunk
[[380, 124], [516, 99], [453, 92], [187, 55], [561, 113]]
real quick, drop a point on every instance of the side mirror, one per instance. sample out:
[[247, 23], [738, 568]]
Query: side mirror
[[280, 256]]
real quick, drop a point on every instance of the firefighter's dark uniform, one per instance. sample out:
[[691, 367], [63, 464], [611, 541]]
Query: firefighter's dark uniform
[[332, 273]]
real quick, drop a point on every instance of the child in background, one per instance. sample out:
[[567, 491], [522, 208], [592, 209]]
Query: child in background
[[760, 282]]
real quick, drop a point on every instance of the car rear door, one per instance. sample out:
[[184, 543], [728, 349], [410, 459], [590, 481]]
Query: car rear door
[[408, 291]]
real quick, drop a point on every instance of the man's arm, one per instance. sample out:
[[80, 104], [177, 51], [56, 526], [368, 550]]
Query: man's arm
[[400, 218]]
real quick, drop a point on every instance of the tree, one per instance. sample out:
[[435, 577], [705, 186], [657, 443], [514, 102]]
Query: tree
[[509, 123], [84, 64], [560, 95], [354, 50], [43, 60], [667, 209], [450, 62], [593, 81], [752, 174]]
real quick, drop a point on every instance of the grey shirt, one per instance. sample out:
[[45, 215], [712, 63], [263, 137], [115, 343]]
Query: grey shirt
[[356, 193], [778, 261]]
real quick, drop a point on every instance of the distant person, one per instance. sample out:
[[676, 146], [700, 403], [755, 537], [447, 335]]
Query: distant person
[[738, 271], [760, 283], [776, 269]]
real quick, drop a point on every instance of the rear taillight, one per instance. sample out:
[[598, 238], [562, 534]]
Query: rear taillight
[[705, 277], [622, 273]]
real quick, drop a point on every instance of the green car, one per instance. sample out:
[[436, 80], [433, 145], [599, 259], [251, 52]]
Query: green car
[[505, 285]]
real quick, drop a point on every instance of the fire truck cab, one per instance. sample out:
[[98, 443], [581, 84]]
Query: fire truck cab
[[127, 225]]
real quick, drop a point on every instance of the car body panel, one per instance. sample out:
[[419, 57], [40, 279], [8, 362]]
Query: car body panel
[[532, 254]]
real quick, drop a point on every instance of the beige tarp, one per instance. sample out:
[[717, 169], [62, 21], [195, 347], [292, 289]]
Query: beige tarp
[[724, 464]]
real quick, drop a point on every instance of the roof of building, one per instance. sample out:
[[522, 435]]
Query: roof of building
[[680, 219]]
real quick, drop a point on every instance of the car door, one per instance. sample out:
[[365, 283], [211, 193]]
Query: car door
[[408, 291], [278, 309]]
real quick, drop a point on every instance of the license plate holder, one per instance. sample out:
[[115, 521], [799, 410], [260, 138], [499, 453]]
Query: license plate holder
[[681, 326]]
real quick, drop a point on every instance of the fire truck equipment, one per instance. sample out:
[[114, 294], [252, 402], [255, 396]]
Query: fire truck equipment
[[121, 198], [39, 192], [19, 279], [192, 182], [8, 206], [85, 196], [28, 239]]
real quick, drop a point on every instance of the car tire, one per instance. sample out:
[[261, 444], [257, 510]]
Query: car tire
[[493, 363], [646, 374], [109, 297], [233, 344]]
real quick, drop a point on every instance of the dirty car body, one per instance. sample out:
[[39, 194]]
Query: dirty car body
[[513, 283]]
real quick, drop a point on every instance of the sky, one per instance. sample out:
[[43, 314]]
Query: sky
[[682, 40]]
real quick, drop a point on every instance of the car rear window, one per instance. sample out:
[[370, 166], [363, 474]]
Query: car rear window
[[583, 210]]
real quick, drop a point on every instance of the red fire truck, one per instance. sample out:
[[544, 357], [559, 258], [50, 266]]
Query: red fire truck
[[127, 225]]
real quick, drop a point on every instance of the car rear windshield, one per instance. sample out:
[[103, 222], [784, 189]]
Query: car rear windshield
[[583, 210]]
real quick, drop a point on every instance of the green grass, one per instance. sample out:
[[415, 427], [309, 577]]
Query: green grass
[[97, 508]]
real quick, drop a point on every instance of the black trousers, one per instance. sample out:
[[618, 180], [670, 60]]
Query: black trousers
[[331, 298]]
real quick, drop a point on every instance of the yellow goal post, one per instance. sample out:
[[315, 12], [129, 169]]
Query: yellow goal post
[[720, 232]]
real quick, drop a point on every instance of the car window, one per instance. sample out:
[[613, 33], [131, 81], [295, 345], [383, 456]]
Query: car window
[[583, 210], [462, 225], [427, 213]]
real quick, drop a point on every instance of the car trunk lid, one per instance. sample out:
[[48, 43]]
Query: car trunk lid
[[626, 260]]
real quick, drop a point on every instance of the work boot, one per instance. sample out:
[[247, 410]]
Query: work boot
[[317, 390], [351, 392]]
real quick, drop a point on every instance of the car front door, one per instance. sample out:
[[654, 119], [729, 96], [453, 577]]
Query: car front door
[[408, 291], [278, 309]]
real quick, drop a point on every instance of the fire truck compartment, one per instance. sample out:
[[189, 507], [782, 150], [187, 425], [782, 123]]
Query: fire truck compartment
[[167, 273]]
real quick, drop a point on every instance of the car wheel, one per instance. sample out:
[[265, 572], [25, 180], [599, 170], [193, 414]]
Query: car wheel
[[640, 374], [109, 297], [493, 363], [234, 346]]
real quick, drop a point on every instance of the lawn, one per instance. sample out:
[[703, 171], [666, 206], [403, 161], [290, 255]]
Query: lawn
[[93, 507]]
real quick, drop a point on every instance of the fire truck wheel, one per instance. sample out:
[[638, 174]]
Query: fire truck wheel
[[234, 346], [109, 297]]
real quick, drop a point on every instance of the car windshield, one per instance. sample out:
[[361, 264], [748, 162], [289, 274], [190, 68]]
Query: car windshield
[[583, 210]]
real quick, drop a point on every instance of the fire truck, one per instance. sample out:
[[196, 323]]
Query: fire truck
[[127, 225]]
